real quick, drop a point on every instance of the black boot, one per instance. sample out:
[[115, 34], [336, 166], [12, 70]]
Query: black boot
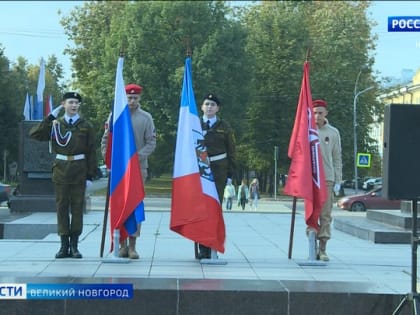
[[205, 252], [64, 249], [74, 252]]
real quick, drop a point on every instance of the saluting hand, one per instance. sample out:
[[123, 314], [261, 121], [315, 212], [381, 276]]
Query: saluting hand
[[56, 111]]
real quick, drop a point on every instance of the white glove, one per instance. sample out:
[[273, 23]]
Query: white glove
[[56, 111], [336, 189], [88, 183]]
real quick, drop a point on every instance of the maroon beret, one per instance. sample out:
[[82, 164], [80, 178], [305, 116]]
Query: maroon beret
[[319, 103], [133, 89]]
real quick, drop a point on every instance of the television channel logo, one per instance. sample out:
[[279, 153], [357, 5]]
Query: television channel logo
[[403, 23]]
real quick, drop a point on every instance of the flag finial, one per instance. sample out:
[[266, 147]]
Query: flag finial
[[122, 52], [187, 43]]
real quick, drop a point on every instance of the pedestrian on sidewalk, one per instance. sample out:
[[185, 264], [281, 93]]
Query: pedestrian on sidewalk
[[229, 194], [220, 143], [254, 193], [330, 143], [72, 139], [145, 138], [243, 194]]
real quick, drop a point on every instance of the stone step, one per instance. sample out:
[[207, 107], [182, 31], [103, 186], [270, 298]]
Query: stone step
[[397, 218], [407, 206], [217, 296], [371, 230]]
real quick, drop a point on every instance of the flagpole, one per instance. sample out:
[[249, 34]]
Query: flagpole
[[293, 219], [116, 237], [101, 253], [106, 210], [188, 53], [187, 42], [197, 216], [292, 227]]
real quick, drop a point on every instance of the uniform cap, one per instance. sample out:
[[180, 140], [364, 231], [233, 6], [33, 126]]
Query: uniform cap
[[133, 89], [213, 98], [319, 103], [72, 95]]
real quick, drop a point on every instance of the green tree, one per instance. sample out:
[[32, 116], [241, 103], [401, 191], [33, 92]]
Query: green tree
[[9, 116], [280, 35], [154, 37], [341, 42], [251, 58], [275, 40], [17, 80]]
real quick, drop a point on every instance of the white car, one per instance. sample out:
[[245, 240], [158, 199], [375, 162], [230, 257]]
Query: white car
[[104, 171], [372, 183]]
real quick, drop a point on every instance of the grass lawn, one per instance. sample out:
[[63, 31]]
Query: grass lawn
[[158, 186]]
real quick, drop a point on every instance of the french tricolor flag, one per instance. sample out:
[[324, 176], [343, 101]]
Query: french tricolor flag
[[126, 188], [196, 212]]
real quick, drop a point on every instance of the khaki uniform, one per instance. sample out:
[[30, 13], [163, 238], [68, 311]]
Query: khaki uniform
[[69, 176], [145, 138], [330, 141], [144, 134]]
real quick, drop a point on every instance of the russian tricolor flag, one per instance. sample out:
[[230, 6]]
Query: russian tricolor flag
[[126, 189], [196, 212]]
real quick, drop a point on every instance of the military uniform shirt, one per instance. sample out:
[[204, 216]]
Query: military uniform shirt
[[82, 141], [219, 139]]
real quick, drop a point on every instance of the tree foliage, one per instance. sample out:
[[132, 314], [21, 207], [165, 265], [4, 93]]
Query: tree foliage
[[335, 37], [154, 37], [251, 57], [16, 80]]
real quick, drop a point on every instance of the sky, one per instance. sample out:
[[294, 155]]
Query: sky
[[31, 29], [395, 51]]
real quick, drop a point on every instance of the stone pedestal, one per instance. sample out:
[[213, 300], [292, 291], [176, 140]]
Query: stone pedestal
[[407, 207], [35, 191]]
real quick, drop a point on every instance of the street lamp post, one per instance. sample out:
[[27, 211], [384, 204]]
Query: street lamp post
[[276, 157], [356, 95]]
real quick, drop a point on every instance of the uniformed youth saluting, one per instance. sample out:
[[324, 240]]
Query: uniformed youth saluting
[[220, 143], [73, 143]]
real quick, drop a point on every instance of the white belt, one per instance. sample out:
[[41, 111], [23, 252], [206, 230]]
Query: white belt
[[70, 157], [218, 157]]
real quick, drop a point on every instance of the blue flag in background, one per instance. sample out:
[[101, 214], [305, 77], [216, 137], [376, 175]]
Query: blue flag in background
[[38, 110]]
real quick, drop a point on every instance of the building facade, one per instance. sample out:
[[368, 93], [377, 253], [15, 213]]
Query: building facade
[[402, 94]]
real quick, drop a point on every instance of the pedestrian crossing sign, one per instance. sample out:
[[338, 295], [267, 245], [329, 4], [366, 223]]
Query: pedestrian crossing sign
[[363, 159]]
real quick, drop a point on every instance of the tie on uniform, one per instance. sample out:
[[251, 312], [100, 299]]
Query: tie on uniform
[[71, 121], [208, 124]]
